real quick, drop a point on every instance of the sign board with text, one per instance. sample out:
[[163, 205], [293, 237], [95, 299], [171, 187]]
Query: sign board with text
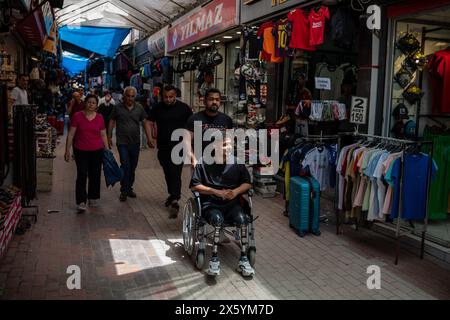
[[323, 83], [216, 17], [359, 110], [157, 43]]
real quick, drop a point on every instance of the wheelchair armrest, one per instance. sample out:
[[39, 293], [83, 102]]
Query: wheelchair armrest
[[251, 192], [196, 194]]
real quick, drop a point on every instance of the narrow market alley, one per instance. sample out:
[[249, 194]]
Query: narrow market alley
[[132, 250]]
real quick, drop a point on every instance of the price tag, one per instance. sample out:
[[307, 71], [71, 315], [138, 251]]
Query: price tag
[[147, 86], [358, 111], [323, 83]]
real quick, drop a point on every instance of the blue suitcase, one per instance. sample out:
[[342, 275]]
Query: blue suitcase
[[304, 205]]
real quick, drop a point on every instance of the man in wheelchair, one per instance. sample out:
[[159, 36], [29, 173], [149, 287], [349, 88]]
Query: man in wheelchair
[[221, 187]]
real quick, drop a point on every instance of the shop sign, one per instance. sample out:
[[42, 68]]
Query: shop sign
[[323, 83], [215, 17], [358, 110], [254, 10], [47, 13], [156, 43]]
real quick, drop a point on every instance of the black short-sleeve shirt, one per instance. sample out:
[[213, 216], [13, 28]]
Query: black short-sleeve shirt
[[168, 119], [219, 176], [221, 122]]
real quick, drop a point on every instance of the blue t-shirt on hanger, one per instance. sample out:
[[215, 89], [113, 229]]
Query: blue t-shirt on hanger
[[414, 186]]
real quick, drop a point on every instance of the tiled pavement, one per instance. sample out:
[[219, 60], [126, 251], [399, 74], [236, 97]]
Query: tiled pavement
[[133, 251]]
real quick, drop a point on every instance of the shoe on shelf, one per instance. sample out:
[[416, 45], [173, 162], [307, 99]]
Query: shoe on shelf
[[245, 268], [214, 267], [174, 208], [81, 207], [93, 203], [132, 194], [123, 197]]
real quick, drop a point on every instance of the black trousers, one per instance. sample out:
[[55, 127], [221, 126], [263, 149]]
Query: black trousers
[[230, 213], [89, 167], [172, 173]]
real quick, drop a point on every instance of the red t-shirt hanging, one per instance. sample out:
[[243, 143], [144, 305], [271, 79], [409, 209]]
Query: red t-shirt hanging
[[263, 45], [440, 72], [300, 30], [317, 25]]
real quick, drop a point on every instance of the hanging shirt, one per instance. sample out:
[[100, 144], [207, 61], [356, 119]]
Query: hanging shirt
[[381, 187], [414, 186], [268, 43], [282, 33], [317, 25], [439, 67], [300, 30], [318, 161]]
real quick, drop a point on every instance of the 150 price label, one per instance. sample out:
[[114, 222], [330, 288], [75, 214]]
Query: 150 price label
[[358, 110]]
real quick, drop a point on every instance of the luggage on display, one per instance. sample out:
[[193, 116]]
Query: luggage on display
[[304, 205]]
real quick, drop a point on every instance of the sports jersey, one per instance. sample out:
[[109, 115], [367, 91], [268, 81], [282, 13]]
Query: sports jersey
[[300, 30], [282, 34], [268, 43], [317, 25], [318, 161]]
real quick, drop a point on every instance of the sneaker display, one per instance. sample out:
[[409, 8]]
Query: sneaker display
[[132, 194], [123, 197], [245, 268], [214, 267], [81, 207], [93, 203]]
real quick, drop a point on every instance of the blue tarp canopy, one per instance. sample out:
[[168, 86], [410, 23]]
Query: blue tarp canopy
[[104, 41], [73, 64]]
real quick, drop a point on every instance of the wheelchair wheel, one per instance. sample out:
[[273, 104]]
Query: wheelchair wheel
[[200, 259], [189, 226], [251, 255]]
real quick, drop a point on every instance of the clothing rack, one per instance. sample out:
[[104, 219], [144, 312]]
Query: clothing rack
[[403, 144]]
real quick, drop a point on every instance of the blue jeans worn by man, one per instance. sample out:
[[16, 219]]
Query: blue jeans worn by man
[[129, 157]]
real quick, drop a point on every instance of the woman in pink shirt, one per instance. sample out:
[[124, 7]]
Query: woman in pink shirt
[[88, 135]]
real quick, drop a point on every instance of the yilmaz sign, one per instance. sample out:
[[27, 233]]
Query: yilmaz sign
[[217, 16]]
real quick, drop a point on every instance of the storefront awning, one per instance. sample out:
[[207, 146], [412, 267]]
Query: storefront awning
[[104, 41], [73, 64]]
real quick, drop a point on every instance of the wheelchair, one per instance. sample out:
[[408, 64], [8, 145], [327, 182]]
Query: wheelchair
[[195, 233]]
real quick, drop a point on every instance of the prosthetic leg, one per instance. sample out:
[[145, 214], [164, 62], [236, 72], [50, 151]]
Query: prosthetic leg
[[214, 263], [244, 266]]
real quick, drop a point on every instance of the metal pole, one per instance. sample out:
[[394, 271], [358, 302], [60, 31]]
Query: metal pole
[[336, 210], [430, 170], [400, 207]]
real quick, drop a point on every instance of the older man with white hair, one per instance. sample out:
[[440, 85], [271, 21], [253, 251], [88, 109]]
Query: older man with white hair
[[127, 116]]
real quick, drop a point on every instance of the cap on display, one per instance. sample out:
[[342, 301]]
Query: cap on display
[[400, 112]]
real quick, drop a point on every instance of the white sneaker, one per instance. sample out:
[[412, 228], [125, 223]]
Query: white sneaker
[[81, 207], [214, 267], [245, 268], [93, 203]]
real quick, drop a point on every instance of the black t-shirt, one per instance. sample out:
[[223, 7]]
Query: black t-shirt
[[219, 176], [221, 121], [168, 119]]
